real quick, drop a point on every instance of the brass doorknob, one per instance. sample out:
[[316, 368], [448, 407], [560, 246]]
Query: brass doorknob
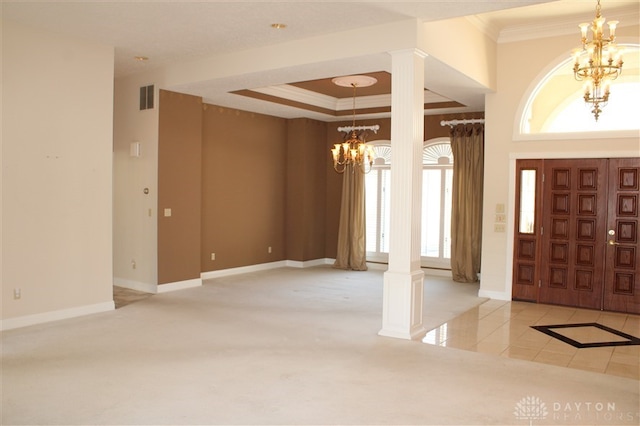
[[613, 243]]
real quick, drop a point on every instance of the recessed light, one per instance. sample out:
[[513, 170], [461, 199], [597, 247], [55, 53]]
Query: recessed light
[[279, 26], [141, 58]]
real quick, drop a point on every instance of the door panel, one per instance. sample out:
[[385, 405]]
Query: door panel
[[586, 252], [622, 275], [573, 232], [527, 230]]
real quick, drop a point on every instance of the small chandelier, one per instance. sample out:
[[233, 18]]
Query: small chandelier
[[601, 62], [354, 151]]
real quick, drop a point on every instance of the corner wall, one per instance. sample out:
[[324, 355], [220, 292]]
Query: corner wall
[[179, 187], [306, 190], [135, 214]]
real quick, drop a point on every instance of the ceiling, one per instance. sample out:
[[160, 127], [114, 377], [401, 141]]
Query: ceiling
[[169, 32]]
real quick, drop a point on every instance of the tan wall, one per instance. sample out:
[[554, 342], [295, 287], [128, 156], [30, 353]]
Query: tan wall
[[306, 190], [265, 182], [243, 188], [179, 187]]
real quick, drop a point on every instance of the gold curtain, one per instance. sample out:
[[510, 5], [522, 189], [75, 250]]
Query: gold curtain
[[467, 145], [351, 252]]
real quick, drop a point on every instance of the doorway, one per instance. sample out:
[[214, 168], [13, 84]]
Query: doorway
[[576, 237]]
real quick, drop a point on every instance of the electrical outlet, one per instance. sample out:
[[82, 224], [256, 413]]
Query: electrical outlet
[[17, 293], [269, 249], [213, 256], [498, 227], [133, 264]]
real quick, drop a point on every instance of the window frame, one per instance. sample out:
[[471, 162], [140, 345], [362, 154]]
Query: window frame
[[425, 261]]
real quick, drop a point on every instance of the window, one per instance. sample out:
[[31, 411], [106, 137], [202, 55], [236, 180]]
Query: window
[[556, 105], [437, 179]]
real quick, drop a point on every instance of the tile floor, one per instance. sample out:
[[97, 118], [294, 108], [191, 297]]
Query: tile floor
[[504, 329], [125, 296]]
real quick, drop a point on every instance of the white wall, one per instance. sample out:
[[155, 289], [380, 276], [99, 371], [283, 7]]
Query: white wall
[[135, 233], [57, 102], [462, 46], [520, 66]]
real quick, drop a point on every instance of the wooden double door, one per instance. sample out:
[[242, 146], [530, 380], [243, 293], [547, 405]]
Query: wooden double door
[[576, 237]]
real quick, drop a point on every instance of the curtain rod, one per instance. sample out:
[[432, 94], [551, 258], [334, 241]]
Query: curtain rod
[[347, 129], [456, 122]]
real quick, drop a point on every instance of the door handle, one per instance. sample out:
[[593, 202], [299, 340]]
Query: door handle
[[613, 243]]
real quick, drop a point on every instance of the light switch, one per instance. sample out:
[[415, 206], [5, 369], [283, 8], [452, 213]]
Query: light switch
[[498, 227], [167, 212], [499, 208]]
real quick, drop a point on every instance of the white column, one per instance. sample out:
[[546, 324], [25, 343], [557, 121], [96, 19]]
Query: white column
[[403, 281]]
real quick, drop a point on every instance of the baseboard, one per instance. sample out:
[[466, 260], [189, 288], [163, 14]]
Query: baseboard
[[179, 285], [445, 273], [497, 295], [265, 267], [243, 270], [135, 285], [309, 263], [45, 317]]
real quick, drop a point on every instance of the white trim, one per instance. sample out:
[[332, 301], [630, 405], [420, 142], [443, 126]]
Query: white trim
[[179, 285], [78, 311], [605, 134], [265, 267], [569, 155], [309, 263], [243, 270], [552, 27], [363, 102], [377, 266], [135, 285], [433, 272], [496, 295], [297, 94]]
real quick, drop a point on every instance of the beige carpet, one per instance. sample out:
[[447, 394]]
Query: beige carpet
[[286, 346]]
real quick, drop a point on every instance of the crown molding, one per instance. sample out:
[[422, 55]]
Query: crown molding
[[551, 27], [296, 94]]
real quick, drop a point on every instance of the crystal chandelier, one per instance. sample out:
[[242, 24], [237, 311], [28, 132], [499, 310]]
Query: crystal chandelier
[[598, 62], [354, 151]]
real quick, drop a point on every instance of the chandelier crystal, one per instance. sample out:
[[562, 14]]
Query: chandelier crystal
[[354, 151], [598, 62]]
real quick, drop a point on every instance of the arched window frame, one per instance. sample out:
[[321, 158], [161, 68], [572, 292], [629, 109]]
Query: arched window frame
[[524, 108]]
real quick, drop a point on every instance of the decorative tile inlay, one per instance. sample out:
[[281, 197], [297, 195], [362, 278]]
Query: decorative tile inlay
[[622, 339]]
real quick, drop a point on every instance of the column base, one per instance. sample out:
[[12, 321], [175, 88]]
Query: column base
[[402, 308]]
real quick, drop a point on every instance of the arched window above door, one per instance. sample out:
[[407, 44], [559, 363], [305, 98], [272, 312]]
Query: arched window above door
[[556, 105]]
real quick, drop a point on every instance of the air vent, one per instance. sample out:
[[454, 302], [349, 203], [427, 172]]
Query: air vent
[[146, 97]]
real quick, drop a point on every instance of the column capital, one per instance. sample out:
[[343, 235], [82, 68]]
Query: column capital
[[411, 50]]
